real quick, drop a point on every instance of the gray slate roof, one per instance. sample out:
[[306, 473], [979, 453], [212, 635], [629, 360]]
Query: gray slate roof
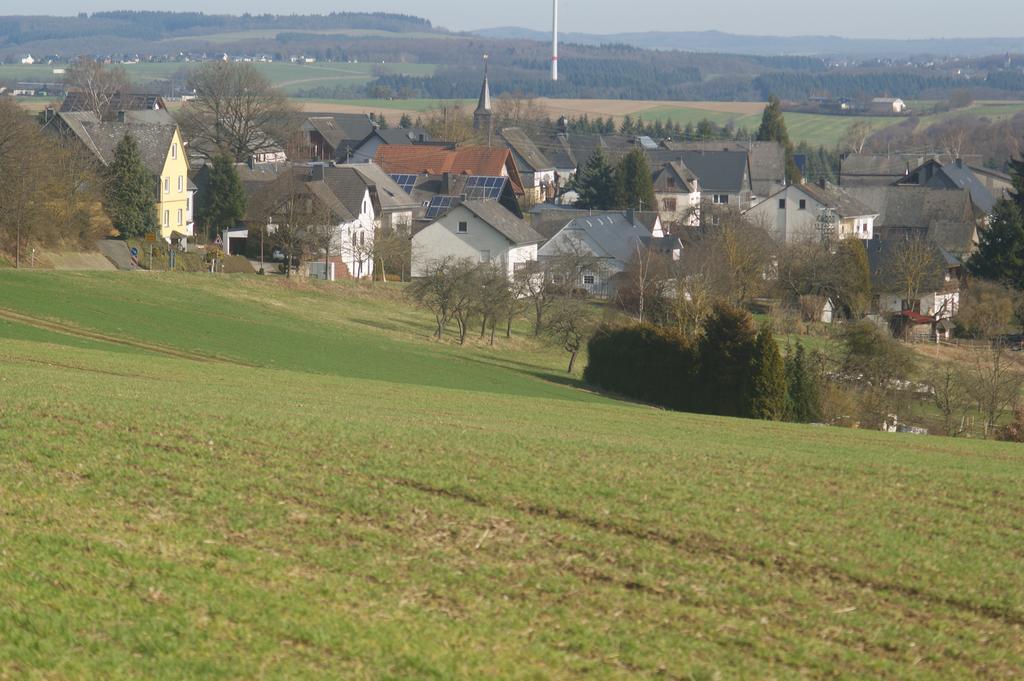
[[904, 206], [340, 129], [767, 160], [884, 265], [529, 156], [719, 171], [613, 234], [508, 225], [102, 138], [959, 176], [837, 199], [391, 196]]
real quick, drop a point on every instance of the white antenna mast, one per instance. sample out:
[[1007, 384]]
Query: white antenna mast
[[554, 42]]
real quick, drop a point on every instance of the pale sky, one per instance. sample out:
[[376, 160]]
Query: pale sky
[[850, 18]]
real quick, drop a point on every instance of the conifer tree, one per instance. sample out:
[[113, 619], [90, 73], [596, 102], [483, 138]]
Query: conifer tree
[[634, 184], [405, 121], [773, 129], [1017, 175], [768, 379], [130, 191], [627, 126], [222, 202], [803, 392], [1000, 254], [726, 358], [595, 183]]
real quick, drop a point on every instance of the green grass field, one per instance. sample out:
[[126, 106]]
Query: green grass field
[[244, 477]]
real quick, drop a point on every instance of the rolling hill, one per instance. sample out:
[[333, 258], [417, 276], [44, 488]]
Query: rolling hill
[[250, 477]]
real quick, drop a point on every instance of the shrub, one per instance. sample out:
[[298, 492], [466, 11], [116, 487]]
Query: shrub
[[727, 353], [768, 380]]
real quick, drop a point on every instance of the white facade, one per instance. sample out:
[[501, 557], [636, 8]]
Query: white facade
[[679, 208], [941, 304], [461, 234], [353, 241], [792, 216]]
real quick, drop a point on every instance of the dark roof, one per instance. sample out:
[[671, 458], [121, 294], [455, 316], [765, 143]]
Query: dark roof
[[687, 180], [102, 138], [391, 196], [527, 152], [908, 206], [403, 135], [341, 129], [767, 160], [130, 101], [872, 169], [719, 171], [837, 199], [612, 233], [960, 176], [508, 225], [483, 106]]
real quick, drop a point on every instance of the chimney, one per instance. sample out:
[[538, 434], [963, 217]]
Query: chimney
[[120, 116], [631, 216], [959, 163], [823, 183], [317, 172]]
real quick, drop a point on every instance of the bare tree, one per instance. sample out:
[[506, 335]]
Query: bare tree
[[856, 136], [236, 112], [492, 299], [453, 124], [646, 279], [97, 83], [948, 387], [518, 110], [392, 251], [569, 326], [995, 384], [437, 291], [295, 216], [913, 262]]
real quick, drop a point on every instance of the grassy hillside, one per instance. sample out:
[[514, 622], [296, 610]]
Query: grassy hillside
[[209, 477]]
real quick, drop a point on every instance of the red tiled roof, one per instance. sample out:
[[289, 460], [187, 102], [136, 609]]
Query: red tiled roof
[[469, 160]]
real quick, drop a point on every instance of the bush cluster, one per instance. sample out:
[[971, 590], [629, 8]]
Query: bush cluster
[[734, 370]]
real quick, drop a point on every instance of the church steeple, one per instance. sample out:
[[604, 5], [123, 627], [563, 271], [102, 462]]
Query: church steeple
[[483, 116]]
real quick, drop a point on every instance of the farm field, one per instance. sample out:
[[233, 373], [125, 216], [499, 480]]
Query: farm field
[[247, 477]]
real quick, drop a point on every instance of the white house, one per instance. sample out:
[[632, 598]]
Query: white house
[[804, 211], [677, 192], [611, 240], [889, 105], [27, 60], [482, 231]]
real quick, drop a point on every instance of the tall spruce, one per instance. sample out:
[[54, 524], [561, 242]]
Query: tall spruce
[[773, 129], [1000, 254], [803, 389], [222, 202], [726, 360], [595, 184], [768, 379], [130, 190], [634, 184], [1016, 167]]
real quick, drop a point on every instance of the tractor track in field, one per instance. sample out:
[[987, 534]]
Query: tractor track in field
[[700, 542], [78, 332]]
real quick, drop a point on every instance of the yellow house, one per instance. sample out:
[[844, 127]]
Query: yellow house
[[160, 146], [174, 205]]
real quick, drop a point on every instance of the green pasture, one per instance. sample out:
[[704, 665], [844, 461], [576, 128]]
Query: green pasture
[[245, 477]]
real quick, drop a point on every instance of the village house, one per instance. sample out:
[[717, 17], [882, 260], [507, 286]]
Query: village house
[[367, 149], [956, 175], [611, 240], [335, 137], [160, 146], [887, 105], [540, 177], [677, 192], [803, 212], [480, 231]]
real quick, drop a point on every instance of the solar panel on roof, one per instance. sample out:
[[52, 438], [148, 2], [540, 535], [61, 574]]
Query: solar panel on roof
[[484, 187], [406, 182], [438, 205]]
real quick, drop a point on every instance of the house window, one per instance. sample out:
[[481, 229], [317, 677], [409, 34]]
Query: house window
[[803, 204], [463, 227], [720, 198], [167, 185], [485, 256], [670, 181], [362, 238], [782, 204], [167, 217], [174, 150], [588, 278], [668, 205], [180, 213], [181, 183]]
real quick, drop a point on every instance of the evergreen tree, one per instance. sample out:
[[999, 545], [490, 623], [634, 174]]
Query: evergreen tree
[[1017, 174], [627, 125], [382, 122], [222, 202], [726, 359], [768, 379], [405, 121], [688, 132], [773, 129], [706, 129], [803, 391], [1000, 254], [595, 183], [634, 184], [130, 199]]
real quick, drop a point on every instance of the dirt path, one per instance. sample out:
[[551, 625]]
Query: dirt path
[[70, 330]]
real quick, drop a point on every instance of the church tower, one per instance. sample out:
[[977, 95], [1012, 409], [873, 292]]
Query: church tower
[[483, 117]]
